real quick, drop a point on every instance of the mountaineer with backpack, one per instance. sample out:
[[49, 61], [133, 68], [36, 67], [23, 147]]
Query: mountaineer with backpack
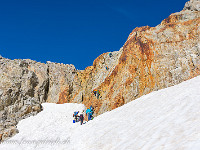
[[95, 92], [110, 54], [75, 115], [89, 113], [98, 94], [81, 118]]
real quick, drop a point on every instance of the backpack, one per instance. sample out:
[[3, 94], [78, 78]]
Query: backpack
[[81, 116], [75, 113]]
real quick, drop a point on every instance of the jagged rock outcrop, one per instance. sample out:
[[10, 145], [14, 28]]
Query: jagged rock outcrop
[[193, 5], [152, 58]]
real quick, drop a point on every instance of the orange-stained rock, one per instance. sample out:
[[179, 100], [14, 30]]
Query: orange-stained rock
[[1, 136], [152, 58]]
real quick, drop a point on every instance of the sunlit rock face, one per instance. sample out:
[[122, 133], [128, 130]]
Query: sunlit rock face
[[60, 79], [24, 85], [152, 58], [193, 5]]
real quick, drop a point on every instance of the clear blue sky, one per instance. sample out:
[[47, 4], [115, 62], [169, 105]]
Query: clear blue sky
[[74, 31]]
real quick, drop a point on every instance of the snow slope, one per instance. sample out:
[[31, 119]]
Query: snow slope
[[167, 119]]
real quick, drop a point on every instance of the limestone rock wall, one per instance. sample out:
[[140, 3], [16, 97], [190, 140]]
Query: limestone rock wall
[[22, 88], [60, 80], [24, 85], [152, 58], [193, 5]]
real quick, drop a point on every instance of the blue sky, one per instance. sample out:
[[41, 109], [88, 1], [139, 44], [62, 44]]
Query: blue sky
[[74, 31]]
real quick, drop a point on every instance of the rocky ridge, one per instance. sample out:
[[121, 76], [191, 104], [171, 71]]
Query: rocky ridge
[[193, 5], [152, 58]]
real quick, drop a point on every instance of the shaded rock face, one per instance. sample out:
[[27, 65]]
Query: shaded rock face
[[193, 5]]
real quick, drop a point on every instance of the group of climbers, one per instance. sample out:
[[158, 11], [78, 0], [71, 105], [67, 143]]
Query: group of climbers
[[78, 117], [89, 115], [89, 112], [110, 54], [96, 93]]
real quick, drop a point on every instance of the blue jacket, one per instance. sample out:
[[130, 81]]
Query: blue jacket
[[88, 111]]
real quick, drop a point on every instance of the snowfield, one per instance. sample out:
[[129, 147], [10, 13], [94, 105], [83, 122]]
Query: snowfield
[[167, 119]]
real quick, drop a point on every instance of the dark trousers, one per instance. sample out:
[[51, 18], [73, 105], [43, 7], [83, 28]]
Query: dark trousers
[[76, 118], [81, 121]]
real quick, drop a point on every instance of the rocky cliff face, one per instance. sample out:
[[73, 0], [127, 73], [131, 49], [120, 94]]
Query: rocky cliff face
[[152, 58], [193, 5], [24, 85], [60, 79]]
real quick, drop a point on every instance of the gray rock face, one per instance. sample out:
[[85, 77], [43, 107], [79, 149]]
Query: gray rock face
[[60, 77], [24, 85], [193, 5]]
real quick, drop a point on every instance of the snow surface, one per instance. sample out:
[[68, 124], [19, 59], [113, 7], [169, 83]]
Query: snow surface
[[167, 119]]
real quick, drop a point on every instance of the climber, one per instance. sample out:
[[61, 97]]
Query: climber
[[95, 91], [110, 54], [89, 113], [106, 68], [90, 117], [98, 94], [81, 117], [75, 115]]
